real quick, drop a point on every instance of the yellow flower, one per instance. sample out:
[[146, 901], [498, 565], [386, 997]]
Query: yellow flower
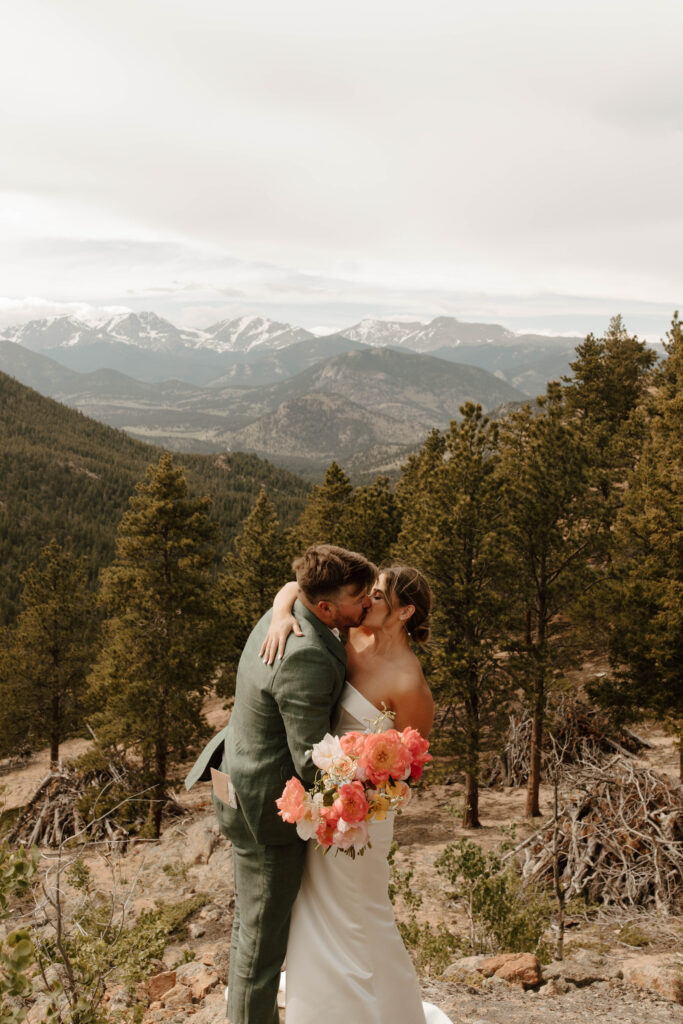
[[379, 807]]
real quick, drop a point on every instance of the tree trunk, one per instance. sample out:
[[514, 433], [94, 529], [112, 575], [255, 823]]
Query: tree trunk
[[533, 809], [470, 814], [159, 791], [54, 733]]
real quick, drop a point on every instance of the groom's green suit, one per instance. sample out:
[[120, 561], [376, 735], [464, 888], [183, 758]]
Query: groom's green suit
[[279, 714]]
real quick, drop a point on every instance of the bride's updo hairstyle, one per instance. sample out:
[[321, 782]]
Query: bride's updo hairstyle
[[406, 585]]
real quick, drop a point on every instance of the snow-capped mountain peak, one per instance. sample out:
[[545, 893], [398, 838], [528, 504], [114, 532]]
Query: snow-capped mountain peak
[[245, 333]]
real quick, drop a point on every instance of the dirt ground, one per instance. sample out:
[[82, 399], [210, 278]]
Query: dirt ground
[[191, 857]]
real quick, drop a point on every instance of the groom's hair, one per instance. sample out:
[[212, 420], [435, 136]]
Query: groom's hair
[[323, 569]]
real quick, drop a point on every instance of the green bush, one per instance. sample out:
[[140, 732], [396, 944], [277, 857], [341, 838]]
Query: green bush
[[503, 916]]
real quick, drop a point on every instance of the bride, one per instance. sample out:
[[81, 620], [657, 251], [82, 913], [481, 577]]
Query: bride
[[345, 957]]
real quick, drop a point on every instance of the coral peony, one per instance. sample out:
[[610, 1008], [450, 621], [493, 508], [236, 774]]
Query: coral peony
[[384, 757], [353, 742], [418, 747], [351, 804], [291, 803]]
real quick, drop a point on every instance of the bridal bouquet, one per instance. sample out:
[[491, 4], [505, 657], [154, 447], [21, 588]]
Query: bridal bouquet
[[361, 777]]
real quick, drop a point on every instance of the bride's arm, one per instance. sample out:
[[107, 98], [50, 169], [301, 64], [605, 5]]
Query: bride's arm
[[282, 623], [414, 706]]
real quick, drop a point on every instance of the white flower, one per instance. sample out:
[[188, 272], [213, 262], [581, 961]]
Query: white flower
[[351, 834], [325, 752]]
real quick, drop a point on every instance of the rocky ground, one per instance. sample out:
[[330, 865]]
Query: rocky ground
[[617, 967]]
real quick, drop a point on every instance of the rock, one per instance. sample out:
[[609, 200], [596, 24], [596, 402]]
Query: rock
[[179, 995], [202, 839], [517, 968], [586, 971], [119, 999], [156, 1005], [38, 1011], [186, 974], [160, 984], [196, 930], [203, 984], [655, 974], [554, 987], [464, 966], [221, 962], [208, 958]]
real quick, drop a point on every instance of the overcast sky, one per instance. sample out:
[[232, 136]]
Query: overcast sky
[[318, 162]]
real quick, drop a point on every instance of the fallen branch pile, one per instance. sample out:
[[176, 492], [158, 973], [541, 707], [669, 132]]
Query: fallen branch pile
[[571, 722], [620, 843], [84, 805]]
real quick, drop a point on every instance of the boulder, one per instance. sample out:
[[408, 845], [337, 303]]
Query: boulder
[[202, 985], [655, 974], [179, 995], [159, 985], [202, 839], [517, 968], [583, 972], [466, 965]]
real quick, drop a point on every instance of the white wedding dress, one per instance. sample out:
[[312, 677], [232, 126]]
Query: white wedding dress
[[346, 962]]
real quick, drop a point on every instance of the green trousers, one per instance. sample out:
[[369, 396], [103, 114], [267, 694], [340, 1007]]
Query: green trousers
[[267, 880]]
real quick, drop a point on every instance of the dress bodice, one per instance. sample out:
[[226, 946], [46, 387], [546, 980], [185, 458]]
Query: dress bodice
[[354, 711]]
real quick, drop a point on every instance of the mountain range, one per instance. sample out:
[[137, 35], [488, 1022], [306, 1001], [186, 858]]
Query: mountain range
[[66, 476], [364, 396]]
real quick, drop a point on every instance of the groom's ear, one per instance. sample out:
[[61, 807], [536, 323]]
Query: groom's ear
[[324, 608]]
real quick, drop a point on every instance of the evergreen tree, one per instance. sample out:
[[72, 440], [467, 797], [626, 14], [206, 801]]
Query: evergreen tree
[[254, 572], [544, 477], [609, 378], [326, 514], [157, 658], [645, 606], [452, 520], [47, 653], [373, 520]]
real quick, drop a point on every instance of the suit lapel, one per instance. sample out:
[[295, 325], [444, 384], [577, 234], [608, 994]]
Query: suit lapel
[[336, 647]]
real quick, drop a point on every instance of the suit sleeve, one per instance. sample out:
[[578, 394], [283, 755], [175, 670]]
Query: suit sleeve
[[303, 689]]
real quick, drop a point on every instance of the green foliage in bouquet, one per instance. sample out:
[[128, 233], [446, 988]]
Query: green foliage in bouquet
[[503, 916]]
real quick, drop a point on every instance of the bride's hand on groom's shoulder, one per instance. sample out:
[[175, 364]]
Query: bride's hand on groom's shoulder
[[276, 637]]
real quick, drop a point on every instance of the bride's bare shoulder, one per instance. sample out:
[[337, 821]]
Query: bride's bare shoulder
[[413, 702]]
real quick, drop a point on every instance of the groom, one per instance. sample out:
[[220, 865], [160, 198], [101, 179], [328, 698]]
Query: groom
[[280, 712]]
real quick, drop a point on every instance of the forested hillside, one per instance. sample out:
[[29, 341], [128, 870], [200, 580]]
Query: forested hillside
[[65, 476]]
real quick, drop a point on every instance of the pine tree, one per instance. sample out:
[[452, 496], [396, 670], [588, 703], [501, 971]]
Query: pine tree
[[47, 653], [157, 657], [544, 477], [254, 572], [452, 521], [645, 606], [609, 378], [325, 519], [373, 520]]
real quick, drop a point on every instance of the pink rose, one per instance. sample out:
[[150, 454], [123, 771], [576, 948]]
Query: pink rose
[[291, 803], [384, 757], [351, 804], [418, 747]]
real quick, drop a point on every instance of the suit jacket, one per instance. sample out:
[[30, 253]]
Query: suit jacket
[[280, 712]]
